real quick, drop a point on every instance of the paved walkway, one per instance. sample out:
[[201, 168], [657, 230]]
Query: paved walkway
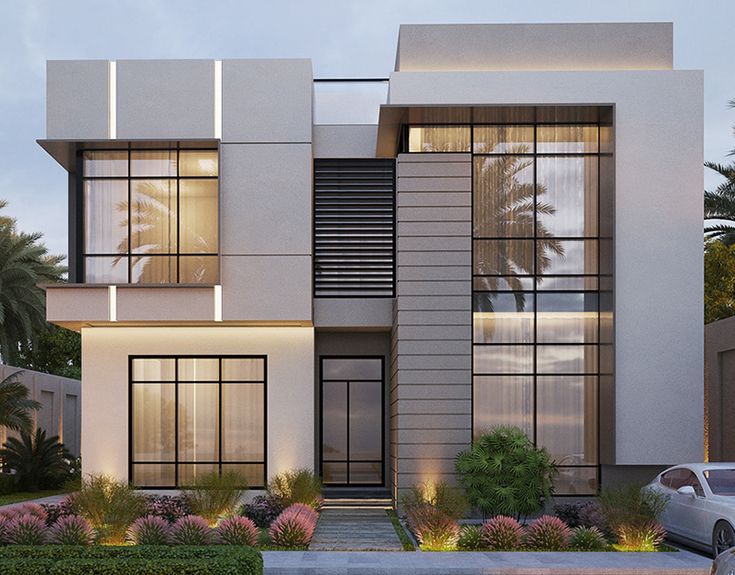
[[355, 530], [45, 500], [416, 563]]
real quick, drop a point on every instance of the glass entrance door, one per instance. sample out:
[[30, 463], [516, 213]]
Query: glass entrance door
[[352, 421]]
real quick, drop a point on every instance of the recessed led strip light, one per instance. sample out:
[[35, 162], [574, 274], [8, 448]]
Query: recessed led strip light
[[112, 100], [218, 303], [218, 99], [112, 302]]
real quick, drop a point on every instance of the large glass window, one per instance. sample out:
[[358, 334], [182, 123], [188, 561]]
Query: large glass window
[[150, 216], [195, 415], [536, 299]]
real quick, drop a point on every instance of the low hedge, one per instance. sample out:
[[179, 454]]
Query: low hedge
[[129, 560]]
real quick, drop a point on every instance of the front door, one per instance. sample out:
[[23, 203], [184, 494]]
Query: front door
[[352, 421]]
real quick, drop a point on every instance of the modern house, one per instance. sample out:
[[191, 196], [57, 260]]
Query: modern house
[[272, 271]]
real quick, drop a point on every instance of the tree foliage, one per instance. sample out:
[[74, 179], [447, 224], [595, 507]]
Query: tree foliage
[[503, 473], [15, 405], [53, 350], [719, 281], [24, 264], [719, 204]]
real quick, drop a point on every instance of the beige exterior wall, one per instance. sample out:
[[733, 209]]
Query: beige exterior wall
[[61, 405], [290, 385], [588, 46], [658, 291]]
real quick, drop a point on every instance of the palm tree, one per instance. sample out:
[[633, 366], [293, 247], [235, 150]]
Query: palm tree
[[505, 202], [719, 204], [24, 263], [15, 405]]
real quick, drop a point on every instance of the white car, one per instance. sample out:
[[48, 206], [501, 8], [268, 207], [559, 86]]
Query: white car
[[701, 507]]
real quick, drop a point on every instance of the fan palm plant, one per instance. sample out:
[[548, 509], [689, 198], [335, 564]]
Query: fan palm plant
[[15, 405], [24, 263], [39, 462]]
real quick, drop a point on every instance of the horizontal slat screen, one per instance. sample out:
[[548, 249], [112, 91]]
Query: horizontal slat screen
[[354, 228]]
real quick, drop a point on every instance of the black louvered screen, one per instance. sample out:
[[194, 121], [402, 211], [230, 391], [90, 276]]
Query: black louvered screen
[[354, 228]]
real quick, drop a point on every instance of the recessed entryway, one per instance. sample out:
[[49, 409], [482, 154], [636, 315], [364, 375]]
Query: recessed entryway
[[351, 427]]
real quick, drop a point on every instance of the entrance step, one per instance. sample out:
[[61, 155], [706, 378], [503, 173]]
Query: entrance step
[[358, 503], [355, 529]]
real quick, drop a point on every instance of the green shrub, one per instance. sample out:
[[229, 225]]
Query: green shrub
[[449, 500], [588, 539], [130, 560], [7, 484], [110, 506], [631, 505], [469, 538], [213, 495], [39, 462], [298, 486], [434, 530], [503, 473], [646, 536], [25, 566]]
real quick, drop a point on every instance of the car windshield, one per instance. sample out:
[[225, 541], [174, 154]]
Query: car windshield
[[721, 481]]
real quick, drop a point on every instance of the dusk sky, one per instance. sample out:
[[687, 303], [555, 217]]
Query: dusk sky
[[343, 38]]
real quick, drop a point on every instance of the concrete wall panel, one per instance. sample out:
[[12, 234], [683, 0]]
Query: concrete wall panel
[[588, 46], [266, 100], [431, 386], [158, 99], [265, 192], [345, 141], [266, 288], [77, 96]]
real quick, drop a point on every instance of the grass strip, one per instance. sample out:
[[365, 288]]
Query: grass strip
[[400, 531]]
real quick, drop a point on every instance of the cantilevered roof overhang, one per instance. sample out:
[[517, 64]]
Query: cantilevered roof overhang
[[66, 151]]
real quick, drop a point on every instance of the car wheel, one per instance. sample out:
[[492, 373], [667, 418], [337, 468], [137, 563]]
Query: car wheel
[[723, 537]]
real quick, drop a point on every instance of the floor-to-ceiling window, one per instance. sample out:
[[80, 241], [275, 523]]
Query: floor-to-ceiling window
[[537, 282], [195, 415]]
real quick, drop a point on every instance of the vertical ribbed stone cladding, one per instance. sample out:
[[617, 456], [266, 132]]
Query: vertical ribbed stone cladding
[[354, 228], [431, 371]]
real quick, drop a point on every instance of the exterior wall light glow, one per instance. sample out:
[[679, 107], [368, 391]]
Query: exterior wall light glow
[[112, 100]]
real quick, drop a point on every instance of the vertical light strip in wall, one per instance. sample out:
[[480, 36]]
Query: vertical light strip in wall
[[217, 303], [112, 100], [112, 302], [218, 99]]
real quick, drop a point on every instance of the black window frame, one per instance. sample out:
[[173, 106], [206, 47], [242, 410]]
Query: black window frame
[[81, 240], [533, 290], [175, 382], [382, 421]]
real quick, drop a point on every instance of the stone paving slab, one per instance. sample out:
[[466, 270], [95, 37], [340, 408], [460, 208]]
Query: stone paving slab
[[355, 530], [473, 563]]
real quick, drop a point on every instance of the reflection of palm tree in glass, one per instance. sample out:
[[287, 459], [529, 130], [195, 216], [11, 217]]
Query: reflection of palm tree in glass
[[504, 208], [153, 230]]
